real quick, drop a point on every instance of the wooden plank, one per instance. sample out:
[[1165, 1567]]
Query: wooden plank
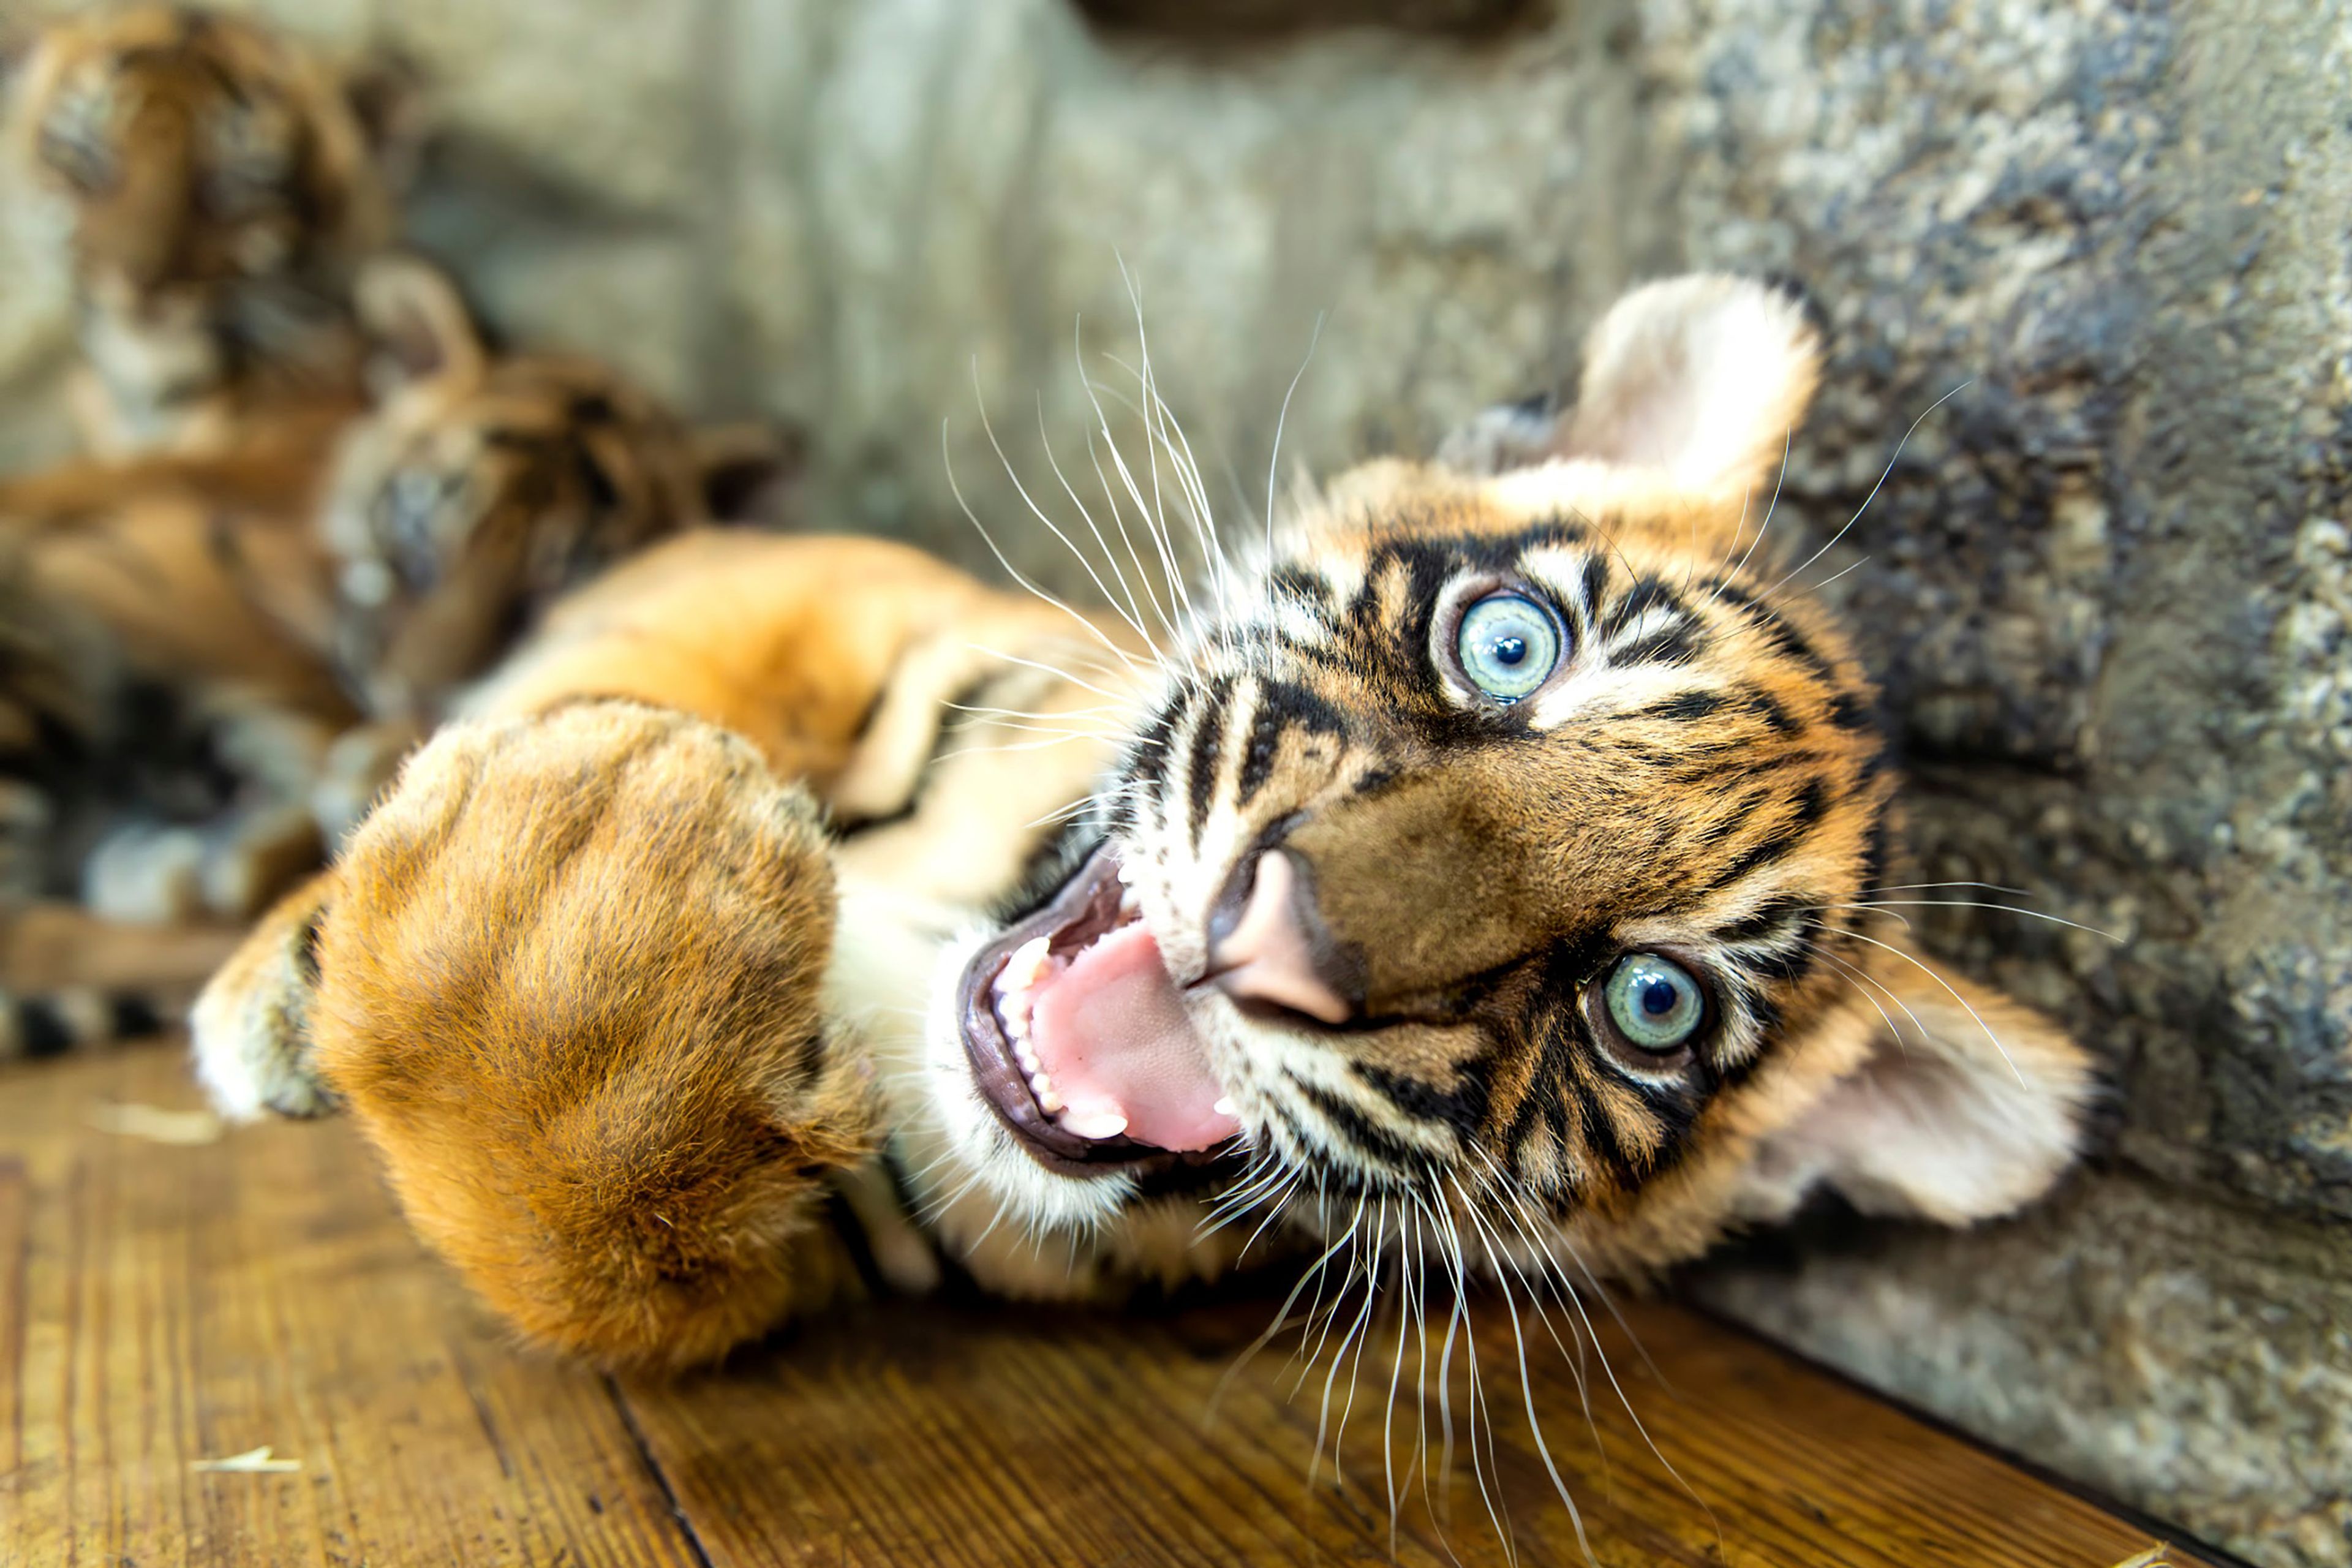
[[161, 1305], [979, 1437]]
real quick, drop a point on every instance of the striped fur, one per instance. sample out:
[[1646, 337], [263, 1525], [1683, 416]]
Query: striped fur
[[210, 663], [1699, 777], [221, 182]]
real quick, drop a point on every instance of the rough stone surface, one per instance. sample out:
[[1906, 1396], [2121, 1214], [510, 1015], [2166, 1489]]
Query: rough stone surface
[[2163, 1325], [2109, 579]]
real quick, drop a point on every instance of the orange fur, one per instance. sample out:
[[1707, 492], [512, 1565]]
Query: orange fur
[[634, 1182], [567, 976], [568, 979], [222, 184], [194, 702]]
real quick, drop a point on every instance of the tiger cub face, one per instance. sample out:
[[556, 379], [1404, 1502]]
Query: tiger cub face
[[478, 488], [218, 180], [1503, 857]]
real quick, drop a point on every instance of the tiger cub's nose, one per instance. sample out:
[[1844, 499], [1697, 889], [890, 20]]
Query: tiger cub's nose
[[1267, 943]]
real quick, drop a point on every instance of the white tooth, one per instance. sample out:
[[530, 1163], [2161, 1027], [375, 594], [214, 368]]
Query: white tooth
[[1043, 1088], [1225, 1107], [1050, 1103], [1124, 874], [1028, 962], [1128, 903], [1026, 1053], [1096, 1123]]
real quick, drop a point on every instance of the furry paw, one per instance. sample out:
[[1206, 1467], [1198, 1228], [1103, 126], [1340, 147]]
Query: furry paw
[[570, 986], [250, 1026]]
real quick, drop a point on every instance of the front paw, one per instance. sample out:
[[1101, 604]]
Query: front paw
[[570, 987], [250, 1026]]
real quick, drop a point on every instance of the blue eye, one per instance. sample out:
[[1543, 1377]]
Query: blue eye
[[1507, 646], [1654, 1002]]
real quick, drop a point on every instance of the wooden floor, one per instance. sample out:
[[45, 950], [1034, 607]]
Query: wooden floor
[[171, 1298]]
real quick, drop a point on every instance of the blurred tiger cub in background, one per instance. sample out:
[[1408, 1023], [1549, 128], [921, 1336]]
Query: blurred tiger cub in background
[[211, 660], [222, 185]]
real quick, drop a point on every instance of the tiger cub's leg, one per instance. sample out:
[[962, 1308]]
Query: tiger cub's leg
[[567, 979], [250, 1026], [231, 863]]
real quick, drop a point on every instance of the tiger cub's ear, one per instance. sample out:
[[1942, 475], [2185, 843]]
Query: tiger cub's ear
[[745, 470], [418, 325], [387, 98], [1968, 1106], [1698, 379]]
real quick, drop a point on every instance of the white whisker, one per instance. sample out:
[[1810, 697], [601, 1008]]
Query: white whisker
[[1955, 996], [1872, 496]]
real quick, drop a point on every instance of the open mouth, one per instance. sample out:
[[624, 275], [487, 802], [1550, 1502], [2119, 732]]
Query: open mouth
[[1080, 1040]]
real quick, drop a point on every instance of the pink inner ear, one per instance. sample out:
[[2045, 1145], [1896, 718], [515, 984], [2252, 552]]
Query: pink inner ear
[[1700, 378], [1942, 1124]]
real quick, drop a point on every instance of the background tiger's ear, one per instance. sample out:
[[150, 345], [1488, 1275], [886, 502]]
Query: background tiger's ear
[[1700, 378], [416, 323], [745, 470], [387, 98], [1968, 1106]]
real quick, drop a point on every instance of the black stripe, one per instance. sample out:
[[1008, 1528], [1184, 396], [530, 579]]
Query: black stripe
[[1771, 921], [1812, 804], [1785, 926], [1852, 713], [1359, 1130], [1208, 735], [1733, 819], [1462, 1108], [1601, 1132], [1257, 761], [1781, 840], [1282, 706], [1646, 594], [1544, 1084], [133, 1016], [1596, 584], [1777, 630], [1683, 710], [1776, 718], [1296, 582], [1676, 1109], [1146, 765], [1668, 645], [1765, 1015], [45, 1030]]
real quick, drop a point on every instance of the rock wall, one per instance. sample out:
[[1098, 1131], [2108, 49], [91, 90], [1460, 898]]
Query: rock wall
[[2109, 578]]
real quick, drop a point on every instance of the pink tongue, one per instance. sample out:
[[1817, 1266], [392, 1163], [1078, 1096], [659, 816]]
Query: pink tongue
[[1112, 1034]]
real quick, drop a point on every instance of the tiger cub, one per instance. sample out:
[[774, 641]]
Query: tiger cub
[[221, 183], [1488, 871], [220, 656]]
